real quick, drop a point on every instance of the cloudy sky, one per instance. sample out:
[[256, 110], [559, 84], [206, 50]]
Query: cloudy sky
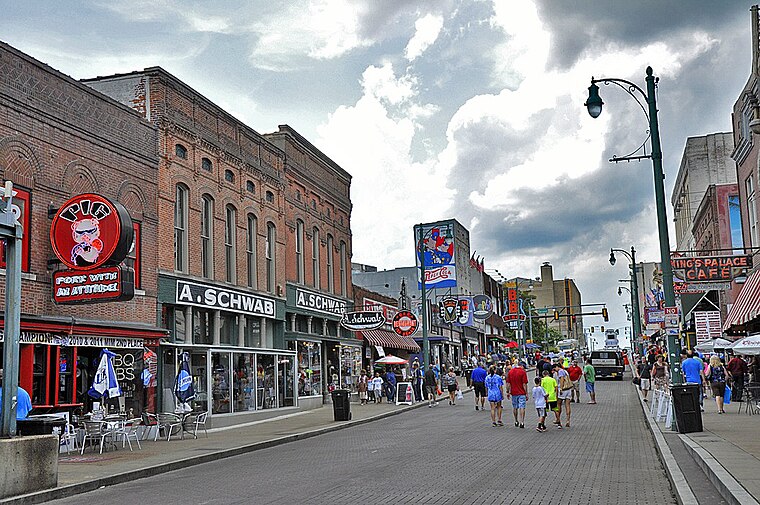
[[466, 109]]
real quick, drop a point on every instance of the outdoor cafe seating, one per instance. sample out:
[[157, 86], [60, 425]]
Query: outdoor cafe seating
[[751, 401]]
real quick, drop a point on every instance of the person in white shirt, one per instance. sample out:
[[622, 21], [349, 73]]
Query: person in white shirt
[[378, 382], [539, 398]]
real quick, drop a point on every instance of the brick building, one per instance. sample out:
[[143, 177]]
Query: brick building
[[60, 138]]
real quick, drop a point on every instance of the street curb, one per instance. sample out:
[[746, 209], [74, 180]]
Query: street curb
[[91, 485], [728, 487], [678, 483]]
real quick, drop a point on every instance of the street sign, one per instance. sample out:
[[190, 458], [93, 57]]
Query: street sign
[[543, 312]]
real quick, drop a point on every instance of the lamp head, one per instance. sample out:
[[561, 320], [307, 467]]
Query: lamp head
[[612, 258], [594, 102], [620, 291]]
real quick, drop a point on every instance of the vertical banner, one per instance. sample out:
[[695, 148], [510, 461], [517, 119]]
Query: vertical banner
[[436, 252]]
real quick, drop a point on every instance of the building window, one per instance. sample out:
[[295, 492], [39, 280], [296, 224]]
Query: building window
[[180, 151], [180, 228], [298, 195], [270, 197], [328, 212], [207, 165], [315, 257], [330, 266], [299, 252], [136, 253], [203, 326], [751, 211], [343, 271], [270, 257], [314, 204], [207, 236], [250, 187], [229, 176], [735, 224], [230, 229], [250, 251], [21, 200]]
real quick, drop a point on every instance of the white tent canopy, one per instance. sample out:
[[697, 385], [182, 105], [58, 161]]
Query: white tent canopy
[[747, 345], [711, 345]]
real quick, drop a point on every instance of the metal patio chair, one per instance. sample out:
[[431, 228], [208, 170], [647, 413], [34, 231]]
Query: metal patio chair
[[167, 421]]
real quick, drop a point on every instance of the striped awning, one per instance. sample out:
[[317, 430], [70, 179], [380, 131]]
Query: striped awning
[[747, 305], [385, 338]]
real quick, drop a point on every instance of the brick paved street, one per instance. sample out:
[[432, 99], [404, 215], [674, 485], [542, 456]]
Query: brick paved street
[[441, 455]]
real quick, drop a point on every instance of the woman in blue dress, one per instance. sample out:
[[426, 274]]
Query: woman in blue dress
[[495, 387]]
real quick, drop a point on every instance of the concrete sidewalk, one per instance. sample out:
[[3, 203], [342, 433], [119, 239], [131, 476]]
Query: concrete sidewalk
[[727, 451], [79, 474]]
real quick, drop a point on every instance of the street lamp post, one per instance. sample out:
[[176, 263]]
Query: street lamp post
[[594, 107], [634, 289]]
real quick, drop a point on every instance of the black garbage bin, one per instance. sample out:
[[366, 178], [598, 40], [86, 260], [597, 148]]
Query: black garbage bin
[[41, 425], [341, 404], [686, 404]]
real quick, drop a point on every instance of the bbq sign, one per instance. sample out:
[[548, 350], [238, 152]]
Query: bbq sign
[[90, 231], [107, 284]]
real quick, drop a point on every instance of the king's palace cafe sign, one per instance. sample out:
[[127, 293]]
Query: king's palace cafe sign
[[214, 297], [47, 338]]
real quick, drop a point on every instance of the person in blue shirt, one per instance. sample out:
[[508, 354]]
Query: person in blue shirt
[[390, 385], [693, 372], [495, 386], [478, 381], [23, 400]]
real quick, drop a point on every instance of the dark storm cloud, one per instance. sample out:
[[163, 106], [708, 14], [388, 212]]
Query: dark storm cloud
[[580, 26]]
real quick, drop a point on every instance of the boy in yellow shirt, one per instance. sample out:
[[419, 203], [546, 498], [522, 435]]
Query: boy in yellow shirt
[[550, 386]]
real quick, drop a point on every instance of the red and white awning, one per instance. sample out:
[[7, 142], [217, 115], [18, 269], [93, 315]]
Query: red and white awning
[[747, 305], [391, 340]]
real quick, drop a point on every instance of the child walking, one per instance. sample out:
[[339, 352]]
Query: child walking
[[371, 390], [539, 398], [378, 388]]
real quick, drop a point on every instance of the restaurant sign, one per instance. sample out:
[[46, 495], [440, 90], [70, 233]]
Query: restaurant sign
[[362, 320], [47, 338], [214, 297], [107, 284], [405, 323], [711, 268]]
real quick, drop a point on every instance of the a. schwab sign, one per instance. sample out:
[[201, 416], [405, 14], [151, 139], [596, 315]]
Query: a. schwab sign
[[317, 302], [214, 297]]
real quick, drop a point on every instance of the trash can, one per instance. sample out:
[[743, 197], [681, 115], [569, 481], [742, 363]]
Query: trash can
[[687, 408], [341, 404], [41, 425]]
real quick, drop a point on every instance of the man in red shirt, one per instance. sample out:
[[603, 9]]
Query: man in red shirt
[[517, 384], [575, 373]]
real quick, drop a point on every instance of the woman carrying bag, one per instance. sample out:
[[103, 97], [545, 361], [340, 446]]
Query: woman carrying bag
[[718, 376]]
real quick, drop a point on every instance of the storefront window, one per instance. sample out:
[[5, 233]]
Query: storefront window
[[128, 365], [180, 328], [252, 331], [39, 389], [350, 366], [265, 385], [220, 382], [244, 377], [65, 375], [228, 329], [198, 369], [309, 368], [285, 381], [203, 326]]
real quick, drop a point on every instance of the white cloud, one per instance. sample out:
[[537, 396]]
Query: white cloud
[[427, 29]]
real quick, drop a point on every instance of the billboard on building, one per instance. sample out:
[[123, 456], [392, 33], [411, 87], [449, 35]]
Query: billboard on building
[[435, 249]]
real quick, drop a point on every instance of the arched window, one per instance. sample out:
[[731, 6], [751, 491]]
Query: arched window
[[207, 236], [299, 252], [298, 195], [180, 228], [230, 235], [250, 187], [270, 256], [315, 257], [180, 151], [207, 165], [250, 251], [343, 269], [229, 176], [270, 197], [330, 266]]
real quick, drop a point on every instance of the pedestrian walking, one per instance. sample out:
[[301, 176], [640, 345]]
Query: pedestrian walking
[[575, 373], [589, 376], [694, 373], [362, 386], [718, 376], [495, 386], [660, 373], [564, 393], [539, 400], [417, 376], [371, 389], [550, 386], [431, 385], [390, 384], [517, 384], [478, 380], [738, 369], [449, 381], [645, 378], [378, 382]]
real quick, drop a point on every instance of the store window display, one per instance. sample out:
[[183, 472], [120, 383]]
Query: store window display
[[220, 382], [285, 381], [309, 368], [265, 385], [244, 395], [351, 365]]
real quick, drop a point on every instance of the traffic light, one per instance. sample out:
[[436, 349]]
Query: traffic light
[[592, 329], [602, 329], [556, 315], [605, 315]]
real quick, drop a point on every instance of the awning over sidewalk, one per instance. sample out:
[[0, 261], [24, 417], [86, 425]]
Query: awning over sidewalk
[[747, 305], [385, 338]]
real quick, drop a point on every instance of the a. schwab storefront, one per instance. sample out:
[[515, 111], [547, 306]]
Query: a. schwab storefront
[[233, 340], [328, 356]]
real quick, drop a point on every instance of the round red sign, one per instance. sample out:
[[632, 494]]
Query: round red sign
[[89, 231], [405, 323]]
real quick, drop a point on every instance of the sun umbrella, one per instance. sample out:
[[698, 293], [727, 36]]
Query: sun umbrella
[[105, 383], [532, 346], [390, 359], [711, 345], [513, 345], [183, 385], [747, 345]]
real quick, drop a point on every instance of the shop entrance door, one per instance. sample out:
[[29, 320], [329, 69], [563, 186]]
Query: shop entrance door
[[332, 365]]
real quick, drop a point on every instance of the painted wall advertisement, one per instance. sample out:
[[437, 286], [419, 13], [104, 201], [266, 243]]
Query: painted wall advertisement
[[435, 249]]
